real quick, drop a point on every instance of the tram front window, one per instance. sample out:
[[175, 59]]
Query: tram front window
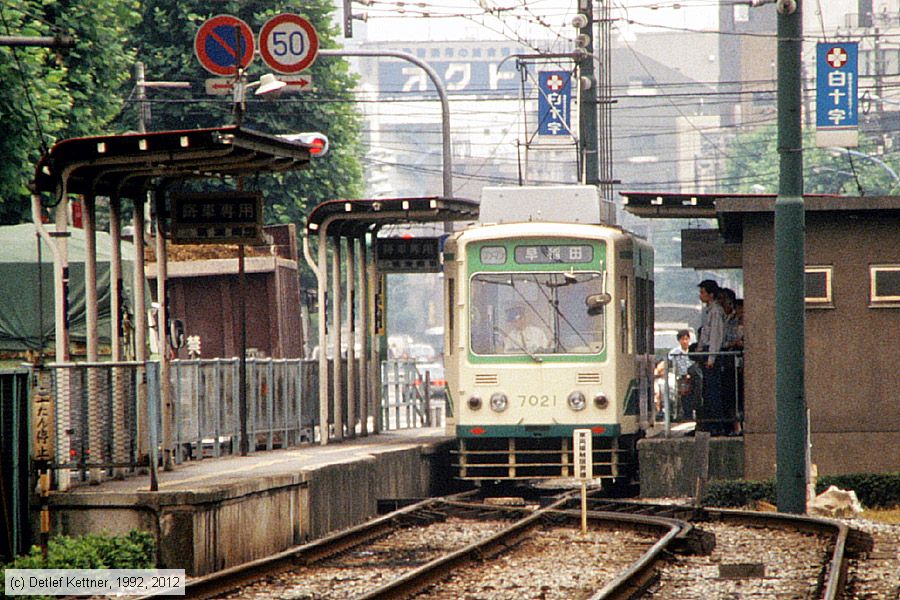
[[536, 313]]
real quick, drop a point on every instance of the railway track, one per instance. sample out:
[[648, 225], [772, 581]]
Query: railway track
[[469, 546]]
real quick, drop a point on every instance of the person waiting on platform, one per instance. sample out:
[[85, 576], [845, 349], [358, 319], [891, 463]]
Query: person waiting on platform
[[681, 363], [521, 336]]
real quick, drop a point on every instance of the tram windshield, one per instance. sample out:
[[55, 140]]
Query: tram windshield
[[534, 314]]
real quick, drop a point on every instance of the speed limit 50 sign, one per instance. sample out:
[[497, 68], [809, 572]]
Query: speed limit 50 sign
[[288, 43]]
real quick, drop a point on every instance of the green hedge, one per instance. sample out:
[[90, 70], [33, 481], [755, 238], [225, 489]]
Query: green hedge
[[880, 490], [93, 551]]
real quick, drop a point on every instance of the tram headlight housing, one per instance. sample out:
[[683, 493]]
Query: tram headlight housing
[[601, 401], [576, 401], [474, 402], [499, 402]]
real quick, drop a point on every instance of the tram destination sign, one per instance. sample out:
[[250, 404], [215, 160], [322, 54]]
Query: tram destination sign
[[217, 218], [408, 255]]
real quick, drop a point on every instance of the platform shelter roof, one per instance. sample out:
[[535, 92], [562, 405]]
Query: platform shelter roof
[[354, 218], [126, 164]]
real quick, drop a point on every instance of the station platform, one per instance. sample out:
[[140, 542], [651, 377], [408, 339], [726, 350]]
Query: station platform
[[212, 514]]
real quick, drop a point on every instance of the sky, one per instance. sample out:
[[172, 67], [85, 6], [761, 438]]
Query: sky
[[515, 19]]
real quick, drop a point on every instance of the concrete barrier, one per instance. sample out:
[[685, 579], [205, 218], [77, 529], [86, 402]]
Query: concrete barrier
[[221, 525], [669, 465]]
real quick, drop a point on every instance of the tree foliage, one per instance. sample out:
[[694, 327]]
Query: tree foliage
[[164, 42], [89, 90], [753, 163], [49, 94]]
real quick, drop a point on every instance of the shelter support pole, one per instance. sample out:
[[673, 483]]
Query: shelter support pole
[[790, 400], [119, 435], [352, 398], [376, 337], [364, 363], [321, 268], [95, 419], [140, 327], [337, 373], [63, 440], [165, 396], [59, 248]]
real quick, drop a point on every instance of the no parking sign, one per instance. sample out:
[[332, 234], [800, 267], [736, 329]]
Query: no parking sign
[[288, 43], [224, 42]]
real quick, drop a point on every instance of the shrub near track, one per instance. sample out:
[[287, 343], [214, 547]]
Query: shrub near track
[[874, 490], [93, 551]]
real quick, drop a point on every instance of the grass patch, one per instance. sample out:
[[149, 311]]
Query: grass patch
[[891, 516]]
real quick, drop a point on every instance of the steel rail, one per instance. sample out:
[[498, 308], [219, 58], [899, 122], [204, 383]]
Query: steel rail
[[636, 578], [845, 541], [232, 578]]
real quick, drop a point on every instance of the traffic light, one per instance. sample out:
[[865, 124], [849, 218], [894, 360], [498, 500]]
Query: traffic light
[[318, 142]]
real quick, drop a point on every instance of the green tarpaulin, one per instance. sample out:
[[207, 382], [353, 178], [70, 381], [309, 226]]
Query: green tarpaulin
[[26, 287]]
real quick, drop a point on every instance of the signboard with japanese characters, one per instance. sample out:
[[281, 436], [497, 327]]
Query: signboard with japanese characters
[[408, 255], [554, 103], [582, 442], [42, 417], [217, 218], [837, 108]]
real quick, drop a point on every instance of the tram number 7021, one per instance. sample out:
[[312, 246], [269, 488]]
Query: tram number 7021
[[544, 400]]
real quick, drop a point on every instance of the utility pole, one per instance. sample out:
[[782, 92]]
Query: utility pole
[[587, 111], [791, 436]]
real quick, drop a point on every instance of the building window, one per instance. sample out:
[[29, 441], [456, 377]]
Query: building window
[[884, 285], [818, 287]]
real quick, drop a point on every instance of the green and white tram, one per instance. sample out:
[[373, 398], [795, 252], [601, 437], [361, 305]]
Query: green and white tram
[[549, 328]]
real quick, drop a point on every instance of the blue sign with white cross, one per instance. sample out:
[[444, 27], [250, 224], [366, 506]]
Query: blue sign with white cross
[[837, 84], [554, 102]]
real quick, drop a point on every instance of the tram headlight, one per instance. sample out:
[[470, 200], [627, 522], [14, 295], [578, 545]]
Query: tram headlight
[[474, 402], [576, 401], [499, 402], [601, 401]]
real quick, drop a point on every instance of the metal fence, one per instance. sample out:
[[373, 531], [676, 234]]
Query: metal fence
[[688, 392], [97, 410], [407, 396], [282, 405]]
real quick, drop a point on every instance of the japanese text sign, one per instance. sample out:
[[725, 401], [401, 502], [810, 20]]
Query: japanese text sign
[[554, 102], [837, 109]]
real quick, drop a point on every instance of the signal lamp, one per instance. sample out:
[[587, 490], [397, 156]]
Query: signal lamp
[[317, 142]]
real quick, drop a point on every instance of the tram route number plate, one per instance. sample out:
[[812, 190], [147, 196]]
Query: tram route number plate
[[582, 444]]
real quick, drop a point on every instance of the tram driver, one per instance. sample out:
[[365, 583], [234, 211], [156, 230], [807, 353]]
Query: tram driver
[[521, 336]]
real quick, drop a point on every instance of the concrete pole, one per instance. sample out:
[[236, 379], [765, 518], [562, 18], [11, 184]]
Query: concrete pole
[[587, 110], [790, 399]]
